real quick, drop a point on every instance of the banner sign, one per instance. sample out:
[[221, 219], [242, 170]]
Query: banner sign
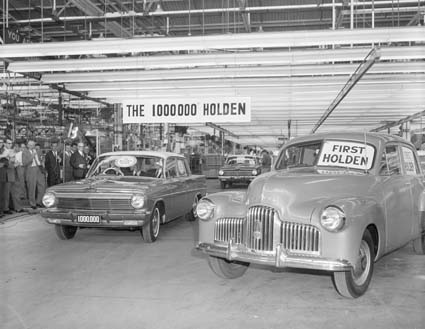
[[13, 36], [347, 155], [187, 110]]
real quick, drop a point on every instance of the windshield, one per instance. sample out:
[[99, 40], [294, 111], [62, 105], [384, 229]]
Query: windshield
[[243, 160], [127, 165], [329, 153]]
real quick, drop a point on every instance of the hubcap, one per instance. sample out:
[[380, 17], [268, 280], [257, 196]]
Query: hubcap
[[362, 266]]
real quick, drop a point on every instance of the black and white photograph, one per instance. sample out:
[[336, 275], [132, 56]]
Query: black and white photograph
[[212, 164]]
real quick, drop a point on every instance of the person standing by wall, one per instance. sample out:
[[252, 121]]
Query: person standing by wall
[[3, 180], [52, 164], [10, 190], [266, 161], [78, 163], [34, 175], [67, 168], [20, 172]]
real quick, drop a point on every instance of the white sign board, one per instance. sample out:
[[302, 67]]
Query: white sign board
[[187, 110], [409, 161], [347, 155]]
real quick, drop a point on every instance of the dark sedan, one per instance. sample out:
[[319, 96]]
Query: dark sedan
[[239, 169], [133, 190]]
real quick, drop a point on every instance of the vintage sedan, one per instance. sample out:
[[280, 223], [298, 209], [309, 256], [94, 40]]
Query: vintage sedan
[[335, 202], [129, 190], [239, 169]]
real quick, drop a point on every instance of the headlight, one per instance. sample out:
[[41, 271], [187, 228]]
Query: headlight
[[221, 172], [205, 209], [137, 201], [254, 172], [332, 219], [49, 200]]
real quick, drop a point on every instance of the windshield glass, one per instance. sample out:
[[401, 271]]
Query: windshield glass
[[241, 160], [330, 153], [127, 165]]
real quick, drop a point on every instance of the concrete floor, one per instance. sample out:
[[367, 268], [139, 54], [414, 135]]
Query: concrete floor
[[111, 279]]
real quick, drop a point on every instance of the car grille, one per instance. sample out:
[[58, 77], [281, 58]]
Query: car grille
[[260, 222], [227, 229], [237, 173], [262, 230], [300, 238], [94, 204]]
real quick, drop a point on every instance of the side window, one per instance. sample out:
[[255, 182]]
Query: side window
[[181, 168], [170, 168], [390, 162], [409, 163]]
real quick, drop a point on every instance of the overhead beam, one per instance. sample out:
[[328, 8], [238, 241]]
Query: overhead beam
[[399, 122], [369, 60], [213, 125], [292, 39]]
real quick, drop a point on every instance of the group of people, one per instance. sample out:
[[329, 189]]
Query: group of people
[[25, 170]]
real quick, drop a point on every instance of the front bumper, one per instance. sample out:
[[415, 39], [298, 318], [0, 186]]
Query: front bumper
[[236, 178], [107, 219], [277, 258]]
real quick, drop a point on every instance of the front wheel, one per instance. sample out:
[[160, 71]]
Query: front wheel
[[354, 283], [192, 215], [226, 269], [150, 231], [65, 232], [419, 245]]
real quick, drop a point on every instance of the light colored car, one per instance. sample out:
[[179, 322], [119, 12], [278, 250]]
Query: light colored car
[[335, 202], [132, 190], [239, 169]]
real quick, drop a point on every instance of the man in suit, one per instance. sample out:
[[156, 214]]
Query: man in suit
[[52, 164], [11, 191], [67, 169], [78, 163], [34, 175], [3, 180]]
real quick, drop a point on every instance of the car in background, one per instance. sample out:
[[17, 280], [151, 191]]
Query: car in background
[[336, 202], [239, 169], [127, 190]]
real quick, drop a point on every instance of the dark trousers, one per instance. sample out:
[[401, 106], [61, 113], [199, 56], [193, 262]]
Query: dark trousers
[[11, 191], [2, 193], [36, 184], [20, 178]]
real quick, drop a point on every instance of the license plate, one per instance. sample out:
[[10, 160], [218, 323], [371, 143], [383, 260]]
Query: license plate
[[88, 219]]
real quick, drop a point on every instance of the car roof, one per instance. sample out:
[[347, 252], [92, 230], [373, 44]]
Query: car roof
[[145, 153], [370, 137]]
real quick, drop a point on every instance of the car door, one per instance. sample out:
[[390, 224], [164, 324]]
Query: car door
[[175, 204], [396, 188], [413, 175]]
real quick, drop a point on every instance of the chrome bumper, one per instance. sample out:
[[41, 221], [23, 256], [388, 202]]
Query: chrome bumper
[[113, 220], [236, 178], [277, 258]]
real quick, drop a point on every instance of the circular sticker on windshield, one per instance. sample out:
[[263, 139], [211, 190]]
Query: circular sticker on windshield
[[125, 161]]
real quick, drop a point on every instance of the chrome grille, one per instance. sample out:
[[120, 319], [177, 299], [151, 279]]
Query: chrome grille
[[260, 222], [237, 173], [229, 229], [299, 238], [94, 204]]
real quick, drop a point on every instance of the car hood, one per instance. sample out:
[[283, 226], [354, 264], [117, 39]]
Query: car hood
[[107, 185], [296, 193]]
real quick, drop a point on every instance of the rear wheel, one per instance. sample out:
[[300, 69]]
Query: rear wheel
[[150, 231], [419, 244], [65, 232], [226, 269], [354, 283]]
